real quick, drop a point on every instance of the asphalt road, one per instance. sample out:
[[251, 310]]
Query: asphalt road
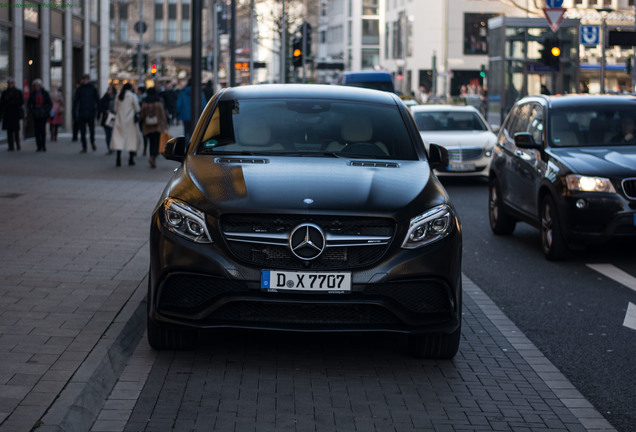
[[573, 313]]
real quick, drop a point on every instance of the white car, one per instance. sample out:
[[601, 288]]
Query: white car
[[463, 131]]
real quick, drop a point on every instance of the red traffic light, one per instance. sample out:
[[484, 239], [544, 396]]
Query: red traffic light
[[153, 69]]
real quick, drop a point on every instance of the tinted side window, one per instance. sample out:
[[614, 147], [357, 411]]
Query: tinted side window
[[535, 123]]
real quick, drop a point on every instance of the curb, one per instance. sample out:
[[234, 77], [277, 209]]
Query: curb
[[80, 402]]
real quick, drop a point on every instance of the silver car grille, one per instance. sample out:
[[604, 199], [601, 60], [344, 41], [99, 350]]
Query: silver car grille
[[465, 154], [264, 240]]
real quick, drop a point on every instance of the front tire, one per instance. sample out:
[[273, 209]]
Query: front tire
[[501, 223], [435, 346], [554, 246]]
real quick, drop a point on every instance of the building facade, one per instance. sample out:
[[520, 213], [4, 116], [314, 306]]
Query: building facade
[[56, 41]]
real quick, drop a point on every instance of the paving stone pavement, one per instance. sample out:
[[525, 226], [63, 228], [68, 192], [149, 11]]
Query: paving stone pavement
[[73, 269]]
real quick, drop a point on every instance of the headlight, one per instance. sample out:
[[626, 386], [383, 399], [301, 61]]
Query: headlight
[[185, 221], [581, 183], [433, 225]]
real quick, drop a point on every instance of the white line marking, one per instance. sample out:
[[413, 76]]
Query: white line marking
[[615, 274], [623, 278], [630, 317]]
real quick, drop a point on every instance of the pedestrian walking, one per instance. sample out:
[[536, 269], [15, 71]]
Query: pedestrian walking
[[141, 95], [39, 105], [107, 111], [86, 106], [126, 133], [184, 110], [58, 113], [154, 121], [74, 115], [11, 112]]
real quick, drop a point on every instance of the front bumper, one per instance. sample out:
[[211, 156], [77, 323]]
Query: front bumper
[[205, 286], [595, 218]]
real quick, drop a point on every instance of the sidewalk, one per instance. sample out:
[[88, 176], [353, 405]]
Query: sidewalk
[[73, 270], [73, 263]]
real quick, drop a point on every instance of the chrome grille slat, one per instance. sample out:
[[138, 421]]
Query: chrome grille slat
[[465, 154]]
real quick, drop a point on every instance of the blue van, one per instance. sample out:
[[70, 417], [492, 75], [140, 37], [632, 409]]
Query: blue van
[[378, 80]]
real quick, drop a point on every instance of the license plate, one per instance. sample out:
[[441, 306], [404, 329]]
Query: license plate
[[461, 167], [274, 280]]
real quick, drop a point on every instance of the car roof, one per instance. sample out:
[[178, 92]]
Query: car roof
[[436, 108], [367, 75], [577, 100], [308, 91]]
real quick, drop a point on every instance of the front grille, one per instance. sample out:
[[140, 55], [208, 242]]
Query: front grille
[[190, 294], [263, 240], [465, 154], [629, 188]]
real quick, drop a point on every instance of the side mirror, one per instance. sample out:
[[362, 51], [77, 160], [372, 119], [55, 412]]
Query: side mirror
[[175, 149], [525, 140], [437, 156]]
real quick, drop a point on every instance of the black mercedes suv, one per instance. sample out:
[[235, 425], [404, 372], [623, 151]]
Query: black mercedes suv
[[566, 164], [306, 208]]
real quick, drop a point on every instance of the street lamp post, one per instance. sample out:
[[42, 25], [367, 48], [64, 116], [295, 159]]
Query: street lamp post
[[604, 12]]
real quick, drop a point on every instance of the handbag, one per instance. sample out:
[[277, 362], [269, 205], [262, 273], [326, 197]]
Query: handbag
[[110, 120], [151, 119]]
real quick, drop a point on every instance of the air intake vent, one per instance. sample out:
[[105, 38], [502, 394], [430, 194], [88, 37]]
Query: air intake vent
[[629, 187], [242, 160], [375, 164]]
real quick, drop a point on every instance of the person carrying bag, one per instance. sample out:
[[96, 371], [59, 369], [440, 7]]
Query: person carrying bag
[[154, 122]]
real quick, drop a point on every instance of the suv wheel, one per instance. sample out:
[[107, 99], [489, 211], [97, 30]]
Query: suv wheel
[[501, 223], [554, 246], [435, 346]]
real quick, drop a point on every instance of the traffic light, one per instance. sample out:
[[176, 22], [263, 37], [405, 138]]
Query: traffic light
[[153, 68], [482, 73], [297, 52], [307, 34], [145, 63], [551, 53]]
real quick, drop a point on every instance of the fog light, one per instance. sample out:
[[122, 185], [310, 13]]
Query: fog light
[[581, 203]]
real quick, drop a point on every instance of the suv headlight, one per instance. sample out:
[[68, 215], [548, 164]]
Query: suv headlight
[[580, 183], [185, 221], [433, 225]]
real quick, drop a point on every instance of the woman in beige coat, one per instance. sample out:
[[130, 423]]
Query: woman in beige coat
[[126, 133]]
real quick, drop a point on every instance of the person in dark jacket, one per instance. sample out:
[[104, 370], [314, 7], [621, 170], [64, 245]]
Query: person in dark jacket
[[184, 110], [39, 105], [12, 111], [106, 106], [85, 107]]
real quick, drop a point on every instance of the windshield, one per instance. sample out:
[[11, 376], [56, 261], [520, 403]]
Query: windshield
[[302, 127], [592, 126], [449, 121]]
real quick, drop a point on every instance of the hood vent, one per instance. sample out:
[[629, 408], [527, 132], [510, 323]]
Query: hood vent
[[236, 160], [375, 164]]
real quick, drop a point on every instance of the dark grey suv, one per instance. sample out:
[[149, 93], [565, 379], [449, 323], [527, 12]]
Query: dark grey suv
[[566, 164], [306, 208]]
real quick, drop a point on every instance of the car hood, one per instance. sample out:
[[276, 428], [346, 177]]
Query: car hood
[[617, 161], [300, 184], [460, 138]]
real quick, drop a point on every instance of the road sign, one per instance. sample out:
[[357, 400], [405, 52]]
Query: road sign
[[590, 35], [140, 27], [554, 17], [553, 4]]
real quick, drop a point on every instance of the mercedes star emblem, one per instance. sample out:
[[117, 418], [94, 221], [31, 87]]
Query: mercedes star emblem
[[307, 241]]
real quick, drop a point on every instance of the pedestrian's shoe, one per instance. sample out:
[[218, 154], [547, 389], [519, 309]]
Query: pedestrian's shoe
[[93, 146], [83, 150], [152, 162]]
